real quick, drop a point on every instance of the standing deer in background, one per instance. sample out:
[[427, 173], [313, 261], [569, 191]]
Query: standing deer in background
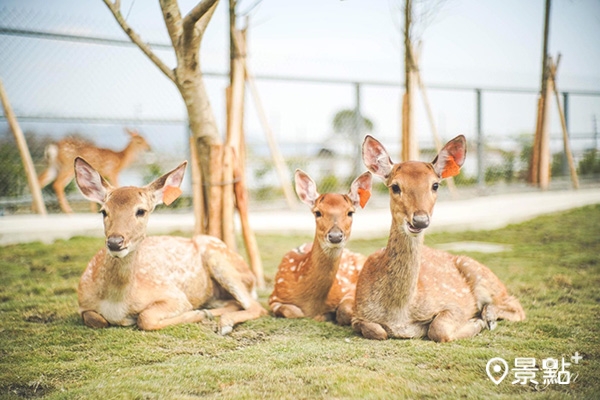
[[157, 281], [109, 163], [407, 290], [318, 279]]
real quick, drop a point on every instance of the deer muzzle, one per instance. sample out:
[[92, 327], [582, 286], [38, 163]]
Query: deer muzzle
[[335, 235], [419, 221], [116, 246]]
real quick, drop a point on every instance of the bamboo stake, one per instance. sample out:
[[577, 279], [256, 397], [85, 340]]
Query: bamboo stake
[[197, 195], [427, 104], [32, 179], [215, 191], [227, 193], [545, 162], [236, 139], [280, 165], [241, 196], [563, 122]]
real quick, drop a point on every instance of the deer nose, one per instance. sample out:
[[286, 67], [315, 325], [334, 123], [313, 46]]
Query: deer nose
[[420, 220], [115, 243], [335, 235]]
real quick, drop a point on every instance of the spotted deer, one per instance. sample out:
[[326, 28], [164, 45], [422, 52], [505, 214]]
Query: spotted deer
[[61, 155], [408, 290], [157, 281], [318, 279]]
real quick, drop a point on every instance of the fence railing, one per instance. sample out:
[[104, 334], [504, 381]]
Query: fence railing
[[60, 84]]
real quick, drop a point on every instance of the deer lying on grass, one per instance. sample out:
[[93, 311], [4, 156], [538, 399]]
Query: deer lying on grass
[[318, 279], [157, 281], [407, 290], [109, 163]]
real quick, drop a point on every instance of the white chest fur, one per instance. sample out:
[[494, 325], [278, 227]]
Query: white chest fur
[[116, 312]]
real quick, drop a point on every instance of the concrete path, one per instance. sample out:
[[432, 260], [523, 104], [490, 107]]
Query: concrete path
[[478, 213]]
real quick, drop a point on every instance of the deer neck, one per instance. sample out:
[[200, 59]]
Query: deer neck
[[402, 260], [317, 276], [127, 155], [118, 275]]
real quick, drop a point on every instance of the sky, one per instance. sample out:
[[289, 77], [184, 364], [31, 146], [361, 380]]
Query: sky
[[474, 43]]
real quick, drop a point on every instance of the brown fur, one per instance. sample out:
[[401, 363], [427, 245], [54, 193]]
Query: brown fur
[[408, 290], [315, 279], [157, 281]]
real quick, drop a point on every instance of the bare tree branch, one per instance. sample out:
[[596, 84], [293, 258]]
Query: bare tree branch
[[115, 9], [199, 11], [173, 21]]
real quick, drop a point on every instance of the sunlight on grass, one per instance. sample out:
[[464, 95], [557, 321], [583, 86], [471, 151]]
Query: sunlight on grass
[[551, 264]]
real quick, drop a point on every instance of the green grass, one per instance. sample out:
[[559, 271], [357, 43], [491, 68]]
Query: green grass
[[553, 267]]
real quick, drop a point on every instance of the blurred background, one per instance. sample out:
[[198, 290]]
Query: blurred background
[[69, 70]]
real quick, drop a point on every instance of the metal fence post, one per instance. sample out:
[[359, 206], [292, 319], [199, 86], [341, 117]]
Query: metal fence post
[[480, 144], [357, 131], [565, 163]]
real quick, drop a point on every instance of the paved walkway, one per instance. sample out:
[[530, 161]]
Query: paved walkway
[[478, 213]]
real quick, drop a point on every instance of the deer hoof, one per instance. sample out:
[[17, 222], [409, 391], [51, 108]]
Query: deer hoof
[[225, 330], [489, 316], [94, 320]]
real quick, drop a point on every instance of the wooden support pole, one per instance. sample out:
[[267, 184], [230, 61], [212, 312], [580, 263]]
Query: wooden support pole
[[228, 203], [563, 123], [545, 159], [427, 104], [280, 165], [215, 191], [241, 197], [32, 179], [197, 192]]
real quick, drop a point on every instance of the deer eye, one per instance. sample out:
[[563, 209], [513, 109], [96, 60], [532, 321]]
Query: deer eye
[[396, 188], [318, 214], [103, 212], [140, 212], [350, 213], [435, 187]]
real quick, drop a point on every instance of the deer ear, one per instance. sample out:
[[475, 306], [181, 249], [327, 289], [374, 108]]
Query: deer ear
[[166, 188], [449, 160], [306, 189], [376, 158], [360, 190], [90, 183]]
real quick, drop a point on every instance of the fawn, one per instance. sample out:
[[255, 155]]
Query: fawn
[[407, 290], [109, 163], [318, 279], [157, 281]]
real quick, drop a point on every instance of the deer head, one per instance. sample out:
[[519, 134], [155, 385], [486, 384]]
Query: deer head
[[126, 209], [333, 212], [413, 185], [137, 141]]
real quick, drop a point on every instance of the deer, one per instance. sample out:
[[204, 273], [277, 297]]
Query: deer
[[158, 281], [408, 290], [61, 155], [318, 279]]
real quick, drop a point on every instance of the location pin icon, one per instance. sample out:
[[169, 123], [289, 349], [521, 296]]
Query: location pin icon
[[497, 369]]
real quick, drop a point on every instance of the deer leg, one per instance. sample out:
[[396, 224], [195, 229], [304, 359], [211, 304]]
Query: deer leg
[[287, 310], [94, 320], [61, 181], [344, 312], [165, 313], [370, 330], [448, 326], [46, 177], [509, 309], [229, 319]]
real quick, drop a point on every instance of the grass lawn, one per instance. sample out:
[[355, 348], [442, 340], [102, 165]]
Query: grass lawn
[[552, 264]]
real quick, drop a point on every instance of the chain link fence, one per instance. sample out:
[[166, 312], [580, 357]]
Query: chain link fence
[[81, 78]]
